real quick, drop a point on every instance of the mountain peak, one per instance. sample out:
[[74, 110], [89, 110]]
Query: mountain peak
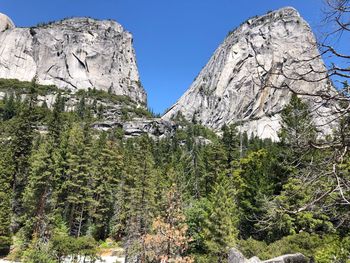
[[73, 54], [251, 76], [285, 11], [5, 22], [278, 14], [84, 23]]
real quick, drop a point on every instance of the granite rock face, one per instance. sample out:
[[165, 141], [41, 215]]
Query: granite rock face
[[235, 256], [5, 23], [252, 75], [155, 128], [290, 258], [77, 53]]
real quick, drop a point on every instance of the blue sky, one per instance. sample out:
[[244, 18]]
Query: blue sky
[[173, 39]]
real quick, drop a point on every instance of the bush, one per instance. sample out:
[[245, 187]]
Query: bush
[[5, 243], [22, 87], [37, 256], [65, 246], [304, 243], [322, 249], [37, 253], [252, 247], [104, 96], [333, 250]]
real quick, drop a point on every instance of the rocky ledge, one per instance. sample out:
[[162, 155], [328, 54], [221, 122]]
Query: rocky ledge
[[155, 128]]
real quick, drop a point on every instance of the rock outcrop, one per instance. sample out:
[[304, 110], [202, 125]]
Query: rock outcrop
[[290, 258], [5, 23], [73, 54], [235, 256], [251, 76], [155, 128]]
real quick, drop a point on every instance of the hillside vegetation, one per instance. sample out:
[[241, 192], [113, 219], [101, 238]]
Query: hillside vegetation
[[186, 198]]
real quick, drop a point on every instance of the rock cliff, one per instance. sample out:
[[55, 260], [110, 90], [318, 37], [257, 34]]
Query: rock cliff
[[5, 23], [73, 54], [251, 76]]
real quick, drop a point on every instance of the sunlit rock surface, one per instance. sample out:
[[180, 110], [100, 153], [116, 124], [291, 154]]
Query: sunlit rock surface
[[252, 75]]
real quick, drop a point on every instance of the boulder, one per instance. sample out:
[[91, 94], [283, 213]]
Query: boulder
[[289, 258], [235, 256], [254, 260]]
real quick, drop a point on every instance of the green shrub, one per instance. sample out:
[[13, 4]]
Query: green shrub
[[63, 246], [322, 249], [333, 249], [37, 253], [22, 87], [252, 247], [5, 243], [105, 96], [304, 243]]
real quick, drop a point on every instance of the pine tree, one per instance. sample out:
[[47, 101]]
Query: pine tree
[[81, 108], [231, 142], [38, 195], [21, 146], [221, 225], [139, 179], [194, 169], [297, 206], [5, 204], [106, 177], [215, 163], [100, 111], [76, 188], [297, 127], [258, 177], [55, 125], [9, 110], [168, 241]]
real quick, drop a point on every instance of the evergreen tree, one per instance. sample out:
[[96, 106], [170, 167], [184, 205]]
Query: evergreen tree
[[231, 142], [221, 231], [100, 111], [77, 186], [297, 128], [140, 180], [106, 177], [55, 125], [258, 178], [215, 163], [194, 169], [38, 195], [297, 207], [5, 204], [81, 108], [21, 146], [9, 110]]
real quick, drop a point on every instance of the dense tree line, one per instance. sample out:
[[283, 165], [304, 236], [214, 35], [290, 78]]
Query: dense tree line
[[186, 198]]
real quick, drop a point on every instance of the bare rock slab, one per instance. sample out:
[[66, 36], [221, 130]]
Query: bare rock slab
[[251, 76], [290, 258]]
